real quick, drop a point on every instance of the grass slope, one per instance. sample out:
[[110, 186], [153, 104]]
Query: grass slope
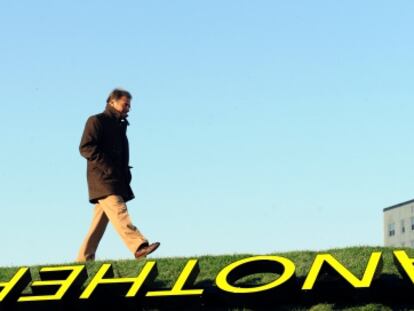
[[354, 258]]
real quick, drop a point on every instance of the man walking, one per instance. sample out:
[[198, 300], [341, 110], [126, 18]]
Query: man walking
[[104, 144]]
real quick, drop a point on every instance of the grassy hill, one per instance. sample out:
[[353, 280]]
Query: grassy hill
[[354, 258]]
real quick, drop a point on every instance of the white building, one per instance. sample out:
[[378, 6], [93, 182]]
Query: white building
[[399, 224]]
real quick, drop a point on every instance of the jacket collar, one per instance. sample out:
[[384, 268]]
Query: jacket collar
[[115, 114]]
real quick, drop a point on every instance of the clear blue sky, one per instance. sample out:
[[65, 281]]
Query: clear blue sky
[[256, 126]]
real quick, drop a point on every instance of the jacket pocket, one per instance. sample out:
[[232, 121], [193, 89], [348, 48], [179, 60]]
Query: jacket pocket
[[97, 173], [111, 173]]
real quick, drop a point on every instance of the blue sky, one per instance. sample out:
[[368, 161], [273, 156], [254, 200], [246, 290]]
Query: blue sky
[[256, 126]]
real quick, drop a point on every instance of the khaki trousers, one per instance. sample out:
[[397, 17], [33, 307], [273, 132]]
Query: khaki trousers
[[111, 208]]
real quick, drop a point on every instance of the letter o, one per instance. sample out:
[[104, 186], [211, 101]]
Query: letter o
[[287, 272]]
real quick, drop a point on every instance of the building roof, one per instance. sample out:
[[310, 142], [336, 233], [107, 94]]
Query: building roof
[[398, 205]]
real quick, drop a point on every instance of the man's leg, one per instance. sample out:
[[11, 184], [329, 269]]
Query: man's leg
[[117, 212], [94, 235]]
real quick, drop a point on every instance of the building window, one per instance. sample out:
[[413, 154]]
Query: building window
[[391, 229], [402, 226], [412, 223]]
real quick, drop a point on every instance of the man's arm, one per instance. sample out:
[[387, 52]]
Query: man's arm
[[89, 145]]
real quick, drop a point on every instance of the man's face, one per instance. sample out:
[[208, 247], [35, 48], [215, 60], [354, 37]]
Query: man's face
[[122, 105]]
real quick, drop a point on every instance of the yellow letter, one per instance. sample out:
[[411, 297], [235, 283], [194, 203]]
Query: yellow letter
[[149, 267], [20, 279], [258, 262], [372, 269], [187, 277], [63, 285], [404, 264]]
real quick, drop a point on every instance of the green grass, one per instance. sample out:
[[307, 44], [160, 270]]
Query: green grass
[[354, 258]]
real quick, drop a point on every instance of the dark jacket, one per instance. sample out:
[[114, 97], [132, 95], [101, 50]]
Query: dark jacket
[[104, 144]]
